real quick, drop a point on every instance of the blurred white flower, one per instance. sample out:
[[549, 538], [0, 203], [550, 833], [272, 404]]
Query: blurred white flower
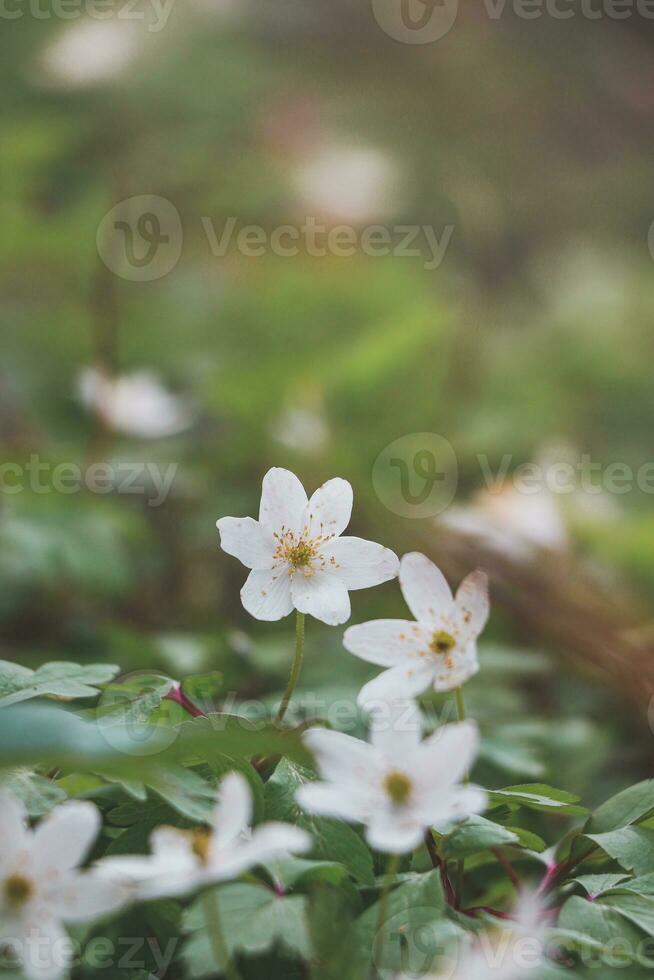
[[511, 522], [182, 861], [136, 404], [396, 785], [90, 52], [438, 650], [298, 556], [515, 950], [41, 885], [301, 429], [347, 183]]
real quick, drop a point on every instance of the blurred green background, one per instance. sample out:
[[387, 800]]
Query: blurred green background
[[531, 139]]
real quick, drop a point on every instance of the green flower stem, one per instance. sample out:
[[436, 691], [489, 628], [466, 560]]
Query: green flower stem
[[461, 865], [391, 871], [295, 669], [216, 938]]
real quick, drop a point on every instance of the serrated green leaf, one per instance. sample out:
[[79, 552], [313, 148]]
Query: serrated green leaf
[[294, 872], [57, 679], [596, 885], [333, 840], [638, 909], [38, 794], [631, 847], [600, 924], [414, 932], [629, 806], [185, 791], [253, 920]]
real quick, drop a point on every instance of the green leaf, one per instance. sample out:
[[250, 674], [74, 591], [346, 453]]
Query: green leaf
[[643, 885], [57, 679], [538, 796], [253, 920], [631, 847], [47, 734], [638, 909], [186, 792], [528, 840], [629, 806], [333, 839], [600, 924], [293, 872], [596, 885], [475, 835], [38, 794], [415, 930]]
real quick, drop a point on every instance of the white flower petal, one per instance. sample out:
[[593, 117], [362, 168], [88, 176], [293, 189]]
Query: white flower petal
[[45, 950], [248, 540], [267, 594], [82, 897], [332, 800], [269, 841], [396, 728], [456, 669], [13, 829], [451, 806], [403, 681], [330, 508], [387, 642], [394, 834], [233, 813], [283, 500], [448, 754], [338, 756], [64, 837], [361, 564], [472, 604], [321, 595], [424, 588]]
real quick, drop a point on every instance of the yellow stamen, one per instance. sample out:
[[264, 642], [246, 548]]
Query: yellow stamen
[[398, 787], [442, 642], [18, 890]]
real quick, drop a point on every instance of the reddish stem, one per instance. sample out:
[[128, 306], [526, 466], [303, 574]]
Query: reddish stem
[[177, 695]]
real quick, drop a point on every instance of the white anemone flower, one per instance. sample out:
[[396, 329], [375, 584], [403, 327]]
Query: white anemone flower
[[41, 886], [396, 785], [298, 556], [182, 861], [514, 950], [136, 404], [438, 649]]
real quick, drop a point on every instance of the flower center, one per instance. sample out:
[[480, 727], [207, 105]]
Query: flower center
[[300, 555], [442, 642], [301, 552], [18, 890], [201, 843], [398, 787]]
